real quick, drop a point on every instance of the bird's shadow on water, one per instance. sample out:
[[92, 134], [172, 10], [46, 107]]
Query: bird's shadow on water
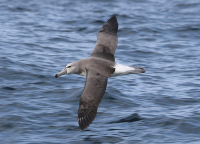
[[131, 118], [104, 139]]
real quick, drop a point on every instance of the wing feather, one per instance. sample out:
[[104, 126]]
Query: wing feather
[[93, 92], [107, 40]]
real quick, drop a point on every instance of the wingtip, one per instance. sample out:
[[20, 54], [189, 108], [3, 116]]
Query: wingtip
[[114, 18], [112, 22], [111, 25], [83, 124]]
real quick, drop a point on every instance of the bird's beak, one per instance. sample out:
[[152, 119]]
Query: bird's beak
[[64, 71]]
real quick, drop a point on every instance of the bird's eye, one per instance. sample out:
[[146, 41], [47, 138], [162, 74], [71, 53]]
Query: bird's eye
[[68, 66]]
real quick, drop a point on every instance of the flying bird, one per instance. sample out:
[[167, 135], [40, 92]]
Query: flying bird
[[98, 68]]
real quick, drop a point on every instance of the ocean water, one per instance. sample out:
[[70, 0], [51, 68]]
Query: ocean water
[[39, 38]]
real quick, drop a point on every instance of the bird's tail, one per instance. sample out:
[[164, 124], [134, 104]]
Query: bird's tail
[[137, 70]]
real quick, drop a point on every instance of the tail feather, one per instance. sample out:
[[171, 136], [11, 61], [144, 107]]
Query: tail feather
[[137, 70]]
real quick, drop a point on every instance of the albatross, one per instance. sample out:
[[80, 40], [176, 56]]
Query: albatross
[[98, 68]]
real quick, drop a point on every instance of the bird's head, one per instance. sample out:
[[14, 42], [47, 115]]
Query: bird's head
[[69, 69]]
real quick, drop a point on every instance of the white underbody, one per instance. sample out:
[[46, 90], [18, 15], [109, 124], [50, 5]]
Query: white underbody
[[119, 70]]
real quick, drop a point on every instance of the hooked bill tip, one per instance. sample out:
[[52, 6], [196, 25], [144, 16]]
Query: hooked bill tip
[[56, 75]]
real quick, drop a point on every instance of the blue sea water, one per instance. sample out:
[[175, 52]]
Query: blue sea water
[[39, 38]]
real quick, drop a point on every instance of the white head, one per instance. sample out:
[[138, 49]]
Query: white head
[[69, 69]]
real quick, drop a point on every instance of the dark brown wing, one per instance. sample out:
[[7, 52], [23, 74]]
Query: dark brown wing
[[93, 92], [107, 40]]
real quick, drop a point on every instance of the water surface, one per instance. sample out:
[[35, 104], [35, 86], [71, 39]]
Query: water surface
[[39, 38]]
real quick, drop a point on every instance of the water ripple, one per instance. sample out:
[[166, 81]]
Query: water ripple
[[39, 38]]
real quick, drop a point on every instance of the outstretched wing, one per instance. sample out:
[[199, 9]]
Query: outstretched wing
[[93, 92], [107, 40]]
